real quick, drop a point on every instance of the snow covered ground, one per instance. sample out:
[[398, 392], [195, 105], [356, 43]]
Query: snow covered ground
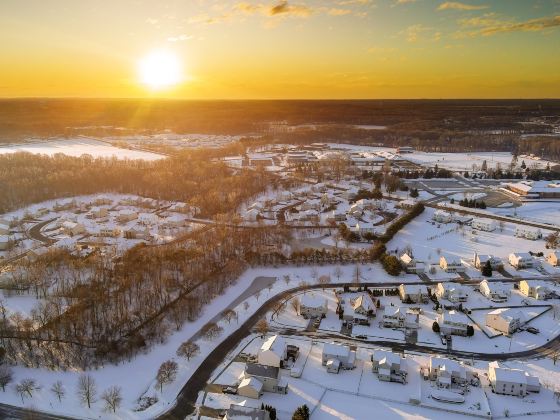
[[547, 212], [78, 147]]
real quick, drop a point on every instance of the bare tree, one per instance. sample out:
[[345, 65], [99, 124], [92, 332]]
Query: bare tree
[[211, 330], [6, 376], [287, 279], [556, 310], [314, 274], [337, 272], [87, 389], [257, 295], [295, 304], [26, 386], [112, 398], [246, 305], [188, 349], [166, 373], [58, 390], [229, 314], [324, 279], [554, 356], [262, 327]]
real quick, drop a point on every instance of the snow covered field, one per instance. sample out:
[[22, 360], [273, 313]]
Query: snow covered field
[[536, 212], [78, 147]]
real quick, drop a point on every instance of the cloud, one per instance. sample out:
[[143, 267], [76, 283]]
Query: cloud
[[455, 5], [285, 8], [178, 38], [404, 1], [413, 32], [489, 25], [339, 12]]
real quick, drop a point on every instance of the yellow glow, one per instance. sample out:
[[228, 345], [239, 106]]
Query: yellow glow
[[160, 69]]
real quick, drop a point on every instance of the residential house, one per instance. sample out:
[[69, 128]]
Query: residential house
[[395, 317], [102, 200], [521, 260], [109, 232], [250, 388], [447, 373], [390, 367], [148, 219], [507, 381], [451, 264], [4, 229], [486, 225], [481, 259], [554, 258], [312, 306], [534, 288], [273, 352], [532, 234], [356, 308], [251, 215], [442, 216], [97, 213], [269, 376], [415, 293], [453, 323], [365, 228], [495, 291], [411, 265], [67, 204], [241, 412], [336, 216], [453, 292], [73, 228], [132, 233], [505, 320], [4, 242], [126, 215], [343, 354]]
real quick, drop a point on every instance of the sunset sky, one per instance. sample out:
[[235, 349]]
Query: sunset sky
[[280, 49]]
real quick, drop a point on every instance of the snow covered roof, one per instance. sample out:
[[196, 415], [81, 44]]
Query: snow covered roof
[[364, 301], [508, 314], [536, 186], [276, 344], [451, 366], [4, 239], [332, 349], [382, 356], [254, 369], [252, 382], [311, 300], [413, 289], [506, 374]]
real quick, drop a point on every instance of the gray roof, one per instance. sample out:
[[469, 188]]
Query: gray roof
[[249, 413], [254, 369]]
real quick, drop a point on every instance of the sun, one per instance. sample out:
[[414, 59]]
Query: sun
[[160, 69]]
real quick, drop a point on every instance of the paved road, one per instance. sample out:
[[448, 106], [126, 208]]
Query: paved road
[[35, 232]]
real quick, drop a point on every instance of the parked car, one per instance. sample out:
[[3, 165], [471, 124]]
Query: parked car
[[229, 390], [533, 330]]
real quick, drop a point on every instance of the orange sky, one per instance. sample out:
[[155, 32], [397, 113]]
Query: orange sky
[[281, 49]]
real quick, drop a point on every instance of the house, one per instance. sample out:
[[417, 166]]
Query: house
[[97, 213], [442, 216], [179, 207], [336, 216], [481, 259], [273, 352], [532, 234], [109, 232], [241, 412], [4, 229], [405, 149], [521, 260], [447, 373], [356, 308], [126, 215], [507, 381], [453, 323], [390, 367], [250, 388], [411, 265], [333, 366], [451, 264], [4, 242], [132, 233], [395, 317], [269, 376], [343, 354], [72, 228], [148, 219], [534, 189], [486, 225], [313, 306], [251, 215], [534, 288], [495, 291], [415, 293], [67, 204], [453, 292], [554, 258], [102, 200], [364, 228], [356, 211], [505, 320]]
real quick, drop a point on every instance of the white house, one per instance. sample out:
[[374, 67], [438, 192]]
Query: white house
[[453, 323], [451, 264], [453, 292], [534, 288], [505, 320], [109, 232], [72, 228], [242, 412], [357, 308], [269, 376], [411, 265], [532, 234], [511, 381], [415, 293], [447, 373], [486, 225], [390, 367], [148, 219], [4, 229], [481, 259], [395, 317], [250, 387], [495, 291], [126, 215], [345, 356], [521, 260], [313, 306], [97, 213], [442, 216], [273, 352], [4, 242], [554, 258]]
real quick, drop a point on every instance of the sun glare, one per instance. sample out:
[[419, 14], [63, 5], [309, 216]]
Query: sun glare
[[160, 69]]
